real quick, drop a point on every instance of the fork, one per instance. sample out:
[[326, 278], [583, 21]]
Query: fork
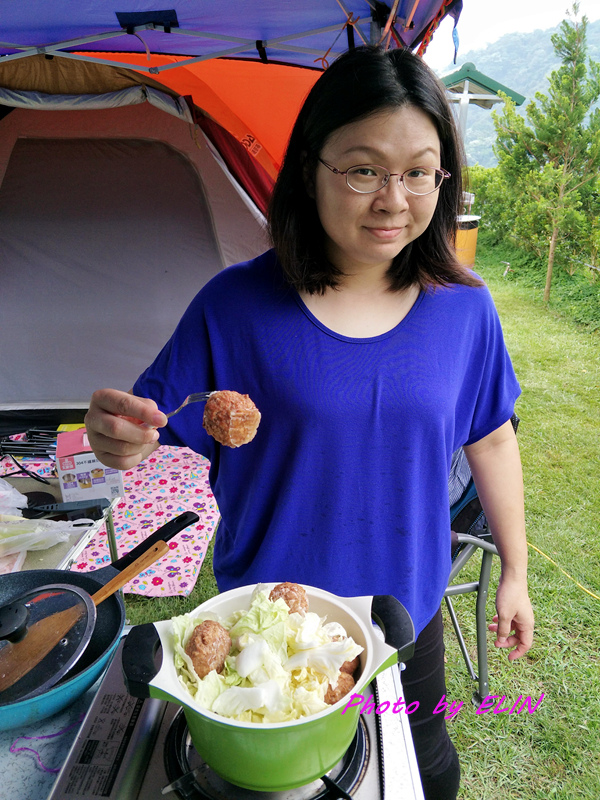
[[200, 397]]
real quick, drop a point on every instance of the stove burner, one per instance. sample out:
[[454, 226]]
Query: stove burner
[[195, 780]]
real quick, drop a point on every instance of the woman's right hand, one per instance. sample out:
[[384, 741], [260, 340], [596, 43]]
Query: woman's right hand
[[121, 427]]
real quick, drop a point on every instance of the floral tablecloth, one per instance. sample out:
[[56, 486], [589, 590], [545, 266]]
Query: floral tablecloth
[[43, 467], [171, 481]]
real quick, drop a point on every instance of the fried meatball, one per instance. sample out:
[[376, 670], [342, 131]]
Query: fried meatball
[[231, 418], [350, 667], [343, 686], [208, 647], [293, 595]]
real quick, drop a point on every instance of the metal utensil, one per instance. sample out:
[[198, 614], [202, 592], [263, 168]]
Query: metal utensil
[[200, 397], [105, 637], [18, 658]]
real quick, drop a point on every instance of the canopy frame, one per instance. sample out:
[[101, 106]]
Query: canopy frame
[[240, 45]]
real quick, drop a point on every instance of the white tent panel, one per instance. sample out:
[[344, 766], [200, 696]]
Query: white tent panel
[[110, 222]]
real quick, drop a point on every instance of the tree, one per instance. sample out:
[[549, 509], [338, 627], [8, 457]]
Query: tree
[[550, 166]]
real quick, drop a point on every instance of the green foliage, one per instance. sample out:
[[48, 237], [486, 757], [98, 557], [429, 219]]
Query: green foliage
[[545, 192], [496, 206], [575, 296], [522, 61]]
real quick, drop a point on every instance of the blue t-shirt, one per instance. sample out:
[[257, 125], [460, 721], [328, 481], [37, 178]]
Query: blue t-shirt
[[345, 485]]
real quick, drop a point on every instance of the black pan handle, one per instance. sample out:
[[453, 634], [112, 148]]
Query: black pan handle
[[164, 533], [396, 624], [138, 659]]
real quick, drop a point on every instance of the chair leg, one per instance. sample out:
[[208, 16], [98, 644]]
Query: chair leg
[[481, 623], [461, 641]]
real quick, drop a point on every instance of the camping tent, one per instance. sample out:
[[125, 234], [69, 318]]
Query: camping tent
[[112, 215], [240, 60], [114, 209]]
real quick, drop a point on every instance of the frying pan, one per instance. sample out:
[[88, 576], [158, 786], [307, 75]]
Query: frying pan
[[107, 631]]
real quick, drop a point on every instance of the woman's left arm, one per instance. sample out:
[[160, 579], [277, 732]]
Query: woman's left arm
[[496, 466]]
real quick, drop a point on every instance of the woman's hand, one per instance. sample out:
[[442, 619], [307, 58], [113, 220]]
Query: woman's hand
[[513, 624], [121, 428], [496, 468]]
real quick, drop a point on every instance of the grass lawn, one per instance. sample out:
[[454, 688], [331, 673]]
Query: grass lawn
[[555, 751]]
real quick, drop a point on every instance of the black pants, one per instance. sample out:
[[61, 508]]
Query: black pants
[[424, 680]]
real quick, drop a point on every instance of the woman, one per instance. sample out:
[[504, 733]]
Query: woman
[[372, 356]]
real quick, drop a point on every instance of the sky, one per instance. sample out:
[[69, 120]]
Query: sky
[[485, 21]]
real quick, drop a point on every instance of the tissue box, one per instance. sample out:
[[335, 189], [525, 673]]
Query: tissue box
[[80, 475]]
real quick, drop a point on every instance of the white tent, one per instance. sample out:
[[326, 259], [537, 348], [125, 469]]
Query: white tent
[[112, 216]]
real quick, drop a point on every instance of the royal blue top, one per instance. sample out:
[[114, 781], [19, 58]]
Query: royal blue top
[[345, 485]]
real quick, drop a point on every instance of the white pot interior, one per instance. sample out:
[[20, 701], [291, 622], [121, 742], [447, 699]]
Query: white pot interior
[[354, 613]]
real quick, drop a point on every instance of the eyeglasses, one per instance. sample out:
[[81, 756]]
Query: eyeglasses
[[369, 178]]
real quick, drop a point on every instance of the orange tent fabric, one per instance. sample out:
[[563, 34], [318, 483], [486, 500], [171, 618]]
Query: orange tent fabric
[[257, 103]]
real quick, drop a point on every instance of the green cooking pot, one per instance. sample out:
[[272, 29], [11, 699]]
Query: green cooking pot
[[282, 755]]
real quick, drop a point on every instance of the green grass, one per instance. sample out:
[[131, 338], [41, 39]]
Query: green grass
[[153, 609], [554, 753]]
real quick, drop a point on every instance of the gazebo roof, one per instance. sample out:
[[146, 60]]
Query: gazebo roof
[[482, 91]]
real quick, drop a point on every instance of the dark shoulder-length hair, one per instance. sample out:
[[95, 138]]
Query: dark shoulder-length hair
[[361, 82]]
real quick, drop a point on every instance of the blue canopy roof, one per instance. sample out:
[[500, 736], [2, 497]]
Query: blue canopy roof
[[307, 33]]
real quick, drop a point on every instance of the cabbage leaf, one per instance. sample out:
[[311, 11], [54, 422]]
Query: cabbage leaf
[[279, 667]]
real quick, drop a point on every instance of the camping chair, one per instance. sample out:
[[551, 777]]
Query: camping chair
[[470, 535]]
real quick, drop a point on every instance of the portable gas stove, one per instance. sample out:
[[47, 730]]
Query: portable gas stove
[[132, 749]]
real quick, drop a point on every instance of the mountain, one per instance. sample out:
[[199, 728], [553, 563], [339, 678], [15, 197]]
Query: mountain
[[522, 62]]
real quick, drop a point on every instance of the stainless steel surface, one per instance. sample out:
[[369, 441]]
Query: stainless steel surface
[[77, 547], [200, 397], [109, 756], [119, 752], [401, 773]]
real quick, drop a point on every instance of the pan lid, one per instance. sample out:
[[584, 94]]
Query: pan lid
[[42, 635]]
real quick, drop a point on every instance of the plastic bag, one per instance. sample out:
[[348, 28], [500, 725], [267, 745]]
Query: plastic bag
[[11, 500], [18, 534], [12, 563]]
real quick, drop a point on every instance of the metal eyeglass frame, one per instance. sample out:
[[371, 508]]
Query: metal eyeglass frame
[[400, 175]]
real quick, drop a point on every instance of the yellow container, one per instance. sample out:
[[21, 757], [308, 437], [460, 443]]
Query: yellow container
[[466, 238]]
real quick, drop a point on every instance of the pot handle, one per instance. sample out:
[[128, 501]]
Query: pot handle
[[396, 624], [139, 652], [164, 533]]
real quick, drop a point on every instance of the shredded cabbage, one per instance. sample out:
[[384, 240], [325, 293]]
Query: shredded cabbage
[[279, 666]]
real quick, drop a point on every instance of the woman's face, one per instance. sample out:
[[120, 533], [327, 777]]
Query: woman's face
[[366, 231]]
